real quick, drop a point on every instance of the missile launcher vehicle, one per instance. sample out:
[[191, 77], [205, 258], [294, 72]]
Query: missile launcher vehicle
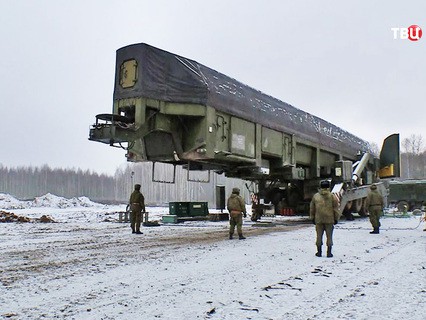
[[174, 110]]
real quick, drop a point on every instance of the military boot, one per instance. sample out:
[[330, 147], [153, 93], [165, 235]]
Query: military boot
[[231, 236], [319, 251], [329, 254], [375, 231], [241, 237]]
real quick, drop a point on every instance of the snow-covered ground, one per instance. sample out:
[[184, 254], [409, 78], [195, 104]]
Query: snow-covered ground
[[87, 265]]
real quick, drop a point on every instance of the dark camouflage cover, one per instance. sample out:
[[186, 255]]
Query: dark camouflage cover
[[169, 77]]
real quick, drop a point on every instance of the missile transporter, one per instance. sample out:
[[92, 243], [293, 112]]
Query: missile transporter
[[174, 110]]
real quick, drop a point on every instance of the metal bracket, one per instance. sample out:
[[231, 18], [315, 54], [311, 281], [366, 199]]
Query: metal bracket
[[163, 181], [188, 178]]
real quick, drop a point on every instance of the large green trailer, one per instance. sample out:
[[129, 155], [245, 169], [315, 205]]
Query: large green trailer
[[407, 194], [174, 110]]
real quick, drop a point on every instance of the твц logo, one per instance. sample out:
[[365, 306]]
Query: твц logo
[[413, 32]]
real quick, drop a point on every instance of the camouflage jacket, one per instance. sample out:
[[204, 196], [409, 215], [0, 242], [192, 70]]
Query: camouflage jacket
[[324, 207], [236, 203], [374, 198], [137, 197]]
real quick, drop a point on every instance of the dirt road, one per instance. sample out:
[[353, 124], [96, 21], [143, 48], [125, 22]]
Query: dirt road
[[35, 249], [102, 271]]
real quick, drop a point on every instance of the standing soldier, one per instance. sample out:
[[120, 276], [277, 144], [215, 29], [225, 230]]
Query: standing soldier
[[374, 204], [324, 213], [137, 205], [236, 208]]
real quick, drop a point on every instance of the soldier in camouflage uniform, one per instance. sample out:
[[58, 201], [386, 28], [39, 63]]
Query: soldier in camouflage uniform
[[374, 205], [324, 213], [137, 206], [236, 208]]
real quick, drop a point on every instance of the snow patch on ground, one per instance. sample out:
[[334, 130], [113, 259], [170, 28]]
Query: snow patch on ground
[[89, 266]]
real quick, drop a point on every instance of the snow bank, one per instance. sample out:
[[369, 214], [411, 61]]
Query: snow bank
[[8, 202], [52, 201]]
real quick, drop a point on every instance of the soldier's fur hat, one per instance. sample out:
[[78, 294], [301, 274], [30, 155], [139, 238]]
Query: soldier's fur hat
[[373, 186], [137, 186], [236, 190], [325, 184]]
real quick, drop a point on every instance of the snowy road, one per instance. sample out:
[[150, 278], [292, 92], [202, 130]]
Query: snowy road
[[98, 270]]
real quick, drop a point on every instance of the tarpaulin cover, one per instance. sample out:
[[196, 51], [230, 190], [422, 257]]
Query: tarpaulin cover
[[169, 77]]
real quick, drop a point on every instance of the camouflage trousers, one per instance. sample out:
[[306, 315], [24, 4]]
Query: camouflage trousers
[[136, 217], [236, 219], [374, 214], [328, 229]]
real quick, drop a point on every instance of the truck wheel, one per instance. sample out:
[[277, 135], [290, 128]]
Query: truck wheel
[[348, 207], [363, 211], [403, 206], [293, 198], [357, 206], [256, 214], [417, 212]]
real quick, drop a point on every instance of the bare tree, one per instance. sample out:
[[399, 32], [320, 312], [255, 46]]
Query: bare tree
[[413, 158], [374, 148], [413, 144]]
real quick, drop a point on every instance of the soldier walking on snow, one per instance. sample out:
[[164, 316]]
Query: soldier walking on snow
[[236, 208], [137, 206], [324, 213], [374, 204]]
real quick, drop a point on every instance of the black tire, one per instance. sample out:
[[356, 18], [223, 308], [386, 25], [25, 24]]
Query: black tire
[[293, 198], [256, 214], [402, 206], [417, 212], [357, 205], [348, 207], [363, 211]]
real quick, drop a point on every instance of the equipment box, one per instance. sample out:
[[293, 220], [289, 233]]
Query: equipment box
[[179, 209], [198, 209], [169, 218], [188, 209]]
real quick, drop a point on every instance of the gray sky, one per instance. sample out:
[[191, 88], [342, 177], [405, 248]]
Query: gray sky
[[335, 59]]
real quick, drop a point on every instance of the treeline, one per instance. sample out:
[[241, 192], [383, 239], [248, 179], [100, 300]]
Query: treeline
[[413, 166], [29, 182]]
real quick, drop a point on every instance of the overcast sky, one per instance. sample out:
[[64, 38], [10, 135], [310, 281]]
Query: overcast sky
[[335, 59]]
